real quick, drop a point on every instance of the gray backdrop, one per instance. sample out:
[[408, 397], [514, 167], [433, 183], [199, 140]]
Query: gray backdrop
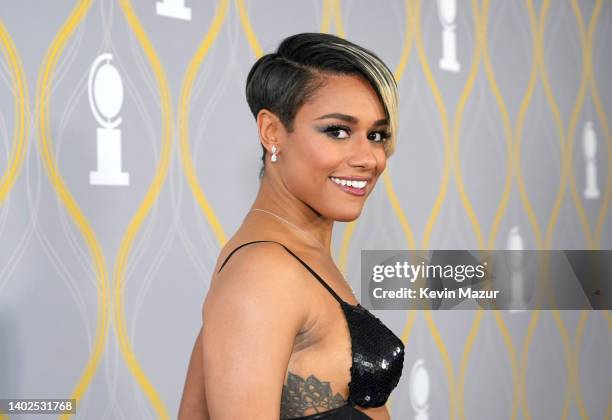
[[101, 286]]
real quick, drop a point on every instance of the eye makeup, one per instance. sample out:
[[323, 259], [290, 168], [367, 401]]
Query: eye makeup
[[333, 130]]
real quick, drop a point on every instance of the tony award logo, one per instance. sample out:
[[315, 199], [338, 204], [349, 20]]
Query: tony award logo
[[589, 148], [514, 260], [105, 99], [419, 390], [447, 12], [174, 9]]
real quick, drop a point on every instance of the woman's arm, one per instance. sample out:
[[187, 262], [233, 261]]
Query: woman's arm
[[251, 317], [193, 402]]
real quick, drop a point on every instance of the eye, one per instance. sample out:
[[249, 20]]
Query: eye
[[335, 131], [379, 136]]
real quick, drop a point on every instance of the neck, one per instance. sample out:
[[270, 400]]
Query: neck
[[277, 200]]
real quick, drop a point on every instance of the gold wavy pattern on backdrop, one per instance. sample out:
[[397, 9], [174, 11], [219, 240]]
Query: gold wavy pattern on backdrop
[[21, 118], [151, 196], [44, 139], [586, 42], [22, 113], [538, 32], [183, 120], [573, 383]]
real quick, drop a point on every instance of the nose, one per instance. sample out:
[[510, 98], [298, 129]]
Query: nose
[[362, 153]]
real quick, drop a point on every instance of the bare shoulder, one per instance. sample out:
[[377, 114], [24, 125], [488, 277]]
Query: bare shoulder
[[257, 273], [251, 316]]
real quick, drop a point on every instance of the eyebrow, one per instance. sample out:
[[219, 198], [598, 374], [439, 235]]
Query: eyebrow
[[351, 119]]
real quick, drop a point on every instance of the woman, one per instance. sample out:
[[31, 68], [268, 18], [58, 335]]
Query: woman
[[274, 342]]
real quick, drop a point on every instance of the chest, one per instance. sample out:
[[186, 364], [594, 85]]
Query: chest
[[352, 351], [319, 368]]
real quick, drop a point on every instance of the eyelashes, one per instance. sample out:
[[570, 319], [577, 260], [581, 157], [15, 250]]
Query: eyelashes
[[334, 131]]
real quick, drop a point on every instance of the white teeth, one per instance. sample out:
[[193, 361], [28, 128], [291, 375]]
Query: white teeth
[[350, 183]]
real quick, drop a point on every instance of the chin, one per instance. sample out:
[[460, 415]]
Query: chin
[[346, 216]]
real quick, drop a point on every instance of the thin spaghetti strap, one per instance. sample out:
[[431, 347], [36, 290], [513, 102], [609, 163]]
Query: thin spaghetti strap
[[329, 289], [236, 249]]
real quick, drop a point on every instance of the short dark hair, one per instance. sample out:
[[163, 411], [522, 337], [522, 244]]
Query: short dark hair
[[284, 80]]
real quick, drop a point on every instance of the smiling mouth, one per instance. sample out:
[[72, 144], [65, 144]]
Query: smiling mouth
[[354, 187]]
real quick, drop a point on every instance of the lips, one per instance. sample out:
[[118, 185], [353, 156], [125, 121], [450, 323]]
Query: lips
[[356, 182], [350, 189]]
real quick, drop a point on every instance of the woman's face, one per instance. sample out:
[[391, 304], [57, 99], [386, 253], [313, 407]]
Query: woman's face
[[338, 136]]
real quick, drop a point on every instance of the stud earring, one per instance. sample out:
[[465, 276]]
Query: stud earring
[[274, 157]]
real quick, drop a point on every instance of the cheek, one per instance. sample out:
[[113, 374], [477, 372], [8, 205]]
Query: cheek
[[326, 159], [381, 161], [319, 158], [310, 164]]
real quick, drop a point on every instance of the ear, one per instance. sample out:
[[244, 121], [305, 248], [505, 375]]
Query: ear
[[271, 129]]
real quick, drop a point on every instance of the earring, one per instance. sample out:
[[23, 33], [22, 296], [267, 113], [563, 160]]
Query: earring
[[274, 158]]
